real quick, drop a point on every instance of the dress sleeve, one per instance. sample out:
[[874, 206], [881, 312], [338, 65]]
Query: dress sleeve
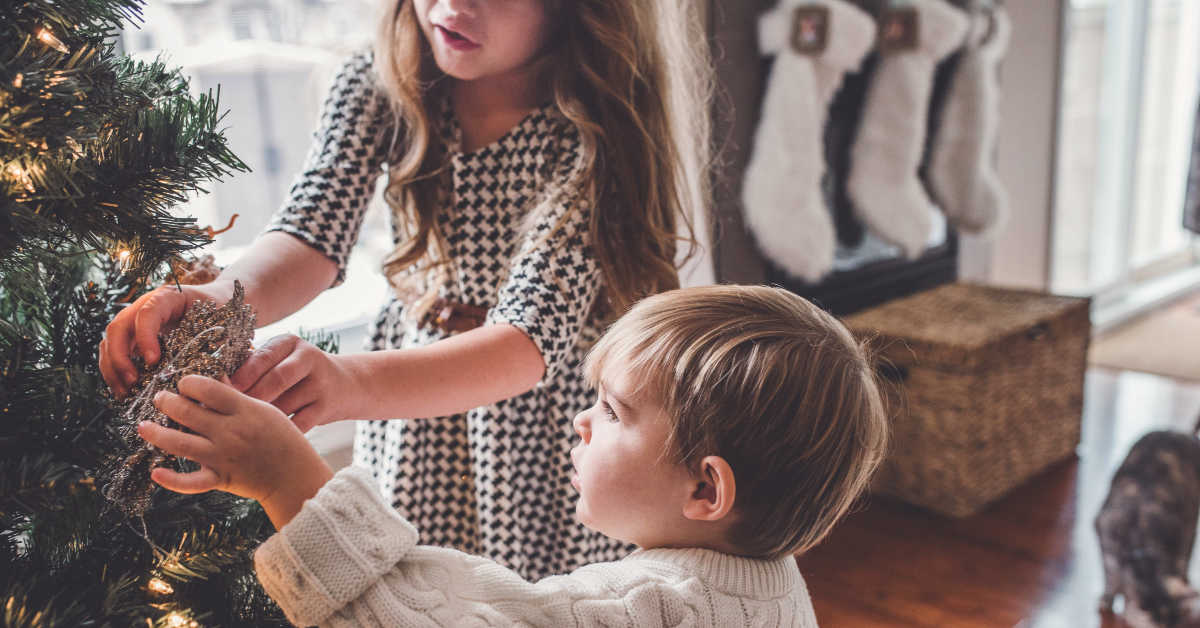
[[329, 197], [348, 559], [552, 281]]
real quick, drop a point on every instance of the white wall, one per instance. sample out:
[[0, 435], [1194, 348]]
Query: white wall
[[1020, 254]]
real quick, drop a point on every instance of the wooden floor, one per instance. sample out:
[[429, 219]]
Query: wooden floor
[[1029, 560]]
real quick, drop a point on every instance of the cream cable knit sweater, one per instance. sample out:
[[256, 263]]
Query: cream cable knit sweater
[[348, 559]]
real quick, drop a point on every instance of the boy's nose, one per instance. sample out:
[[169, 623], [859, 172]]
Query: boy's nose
[[582, 427]]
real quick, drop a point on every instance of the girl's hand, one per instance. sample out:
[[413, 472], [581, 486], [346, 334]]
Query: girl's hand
[[244, 446], [137, 326], [300, 380]]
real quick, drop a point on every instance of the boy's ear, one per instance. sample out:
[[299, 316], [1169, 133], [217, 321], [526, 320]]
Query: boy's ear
[[713, 491]]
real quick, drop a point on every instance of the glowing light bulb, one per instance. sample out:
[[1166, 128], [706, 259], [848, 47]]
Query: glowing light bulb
[[21, 175], [178, 620], [123, 257], [160, 586], [48, 38]]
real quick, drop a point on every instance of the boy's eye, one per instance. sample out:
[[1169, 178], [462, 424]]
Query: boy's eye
[[609, 412]]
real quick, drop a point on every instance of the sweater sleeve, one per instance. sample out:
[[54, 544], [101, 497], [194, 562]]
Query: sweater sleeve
[[437, 586], [341, 543], [348, 559]]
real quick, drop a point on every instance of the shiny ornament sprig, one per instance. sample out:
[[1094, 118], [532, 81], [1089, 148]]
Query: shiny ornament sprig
[[211, 340]]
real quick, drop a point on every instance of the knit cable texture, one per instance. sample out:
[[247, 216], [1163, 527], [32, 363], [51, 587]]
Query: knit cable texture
[[348, 559]]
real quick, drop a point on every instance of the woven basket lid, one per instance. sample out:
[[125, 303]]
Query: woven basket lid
[[954, 324]]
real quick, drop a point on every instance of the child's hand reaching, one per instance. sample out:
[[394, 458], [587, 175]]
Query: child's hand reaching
[[244, 446], [301, 380]]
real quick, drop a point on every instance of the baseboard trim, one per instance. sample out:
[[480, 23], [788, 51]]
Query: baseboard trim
[[1110, 312]]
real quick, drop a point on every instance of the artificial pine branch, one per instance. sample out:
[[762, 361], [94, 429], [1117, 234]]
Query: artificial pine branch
[[96, 150], [86, 18]]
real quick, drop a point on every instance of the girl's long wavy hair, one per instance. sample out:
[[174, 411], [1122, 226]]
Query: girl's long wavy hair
[[633, 76]]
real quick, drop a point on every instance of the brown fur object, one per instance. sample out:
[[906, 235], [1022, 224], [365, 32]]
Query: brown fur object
[[1146, 529], [193, 272]]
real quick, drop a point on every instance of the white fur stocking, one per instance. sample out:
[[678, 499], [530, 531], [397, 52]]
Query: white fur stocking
[[883, 183], [781, 192], [961, 171]]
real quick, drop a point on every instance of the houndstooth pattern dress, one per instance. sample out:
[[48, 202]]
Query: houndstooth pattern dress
[[494, 481]]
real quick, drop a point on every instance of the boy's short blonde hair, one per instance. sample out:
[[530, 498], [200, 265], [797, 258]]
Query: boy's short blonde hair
[[772, 384]]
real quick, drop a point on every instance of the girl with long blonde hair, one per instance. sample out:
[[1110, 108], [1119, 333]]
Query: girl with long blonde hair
[[546, 164]]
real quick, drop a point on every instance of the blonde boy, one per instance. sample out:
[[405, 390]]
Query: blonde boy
[[734, 426]]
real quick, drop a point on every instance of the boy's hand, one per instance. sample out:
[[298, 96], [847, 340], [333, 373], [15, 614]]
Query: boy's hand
[[244, 446], [301, 380]]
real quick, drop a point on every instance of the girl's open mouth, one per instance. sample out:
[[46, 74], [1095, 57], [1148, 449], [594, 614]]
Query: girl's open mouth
[[455, 40]]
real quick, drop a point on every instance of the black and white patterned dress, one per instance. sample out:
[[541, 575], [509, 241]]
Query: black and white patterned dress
[[494, 481]]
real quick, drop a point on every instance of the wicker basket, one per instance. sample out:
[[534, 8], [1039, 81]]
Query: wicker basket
[[986, 390]]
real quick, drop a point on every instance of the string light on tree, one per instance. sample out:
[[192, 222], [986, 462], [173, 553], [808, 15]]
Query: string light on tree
[[160, 586], [20, 175], [179, 620], [46, 37]]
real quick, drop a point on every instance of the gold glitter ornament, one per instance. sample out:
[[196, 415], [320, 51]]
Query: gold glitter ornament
[[210, 340]]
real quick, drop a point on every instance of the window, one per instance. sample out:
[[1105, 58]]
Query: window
[[273, 60], [1130, 77]]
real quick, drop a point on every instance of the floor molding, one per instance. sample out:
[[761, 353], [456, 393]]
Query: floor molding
[[1108, 313]]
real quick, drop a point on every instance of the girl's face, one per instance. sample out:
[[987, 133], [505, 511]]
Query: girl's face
[[627, 489], [473, 39]]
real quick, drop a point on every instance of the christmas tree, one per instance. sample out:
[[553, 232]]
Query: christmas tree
[[95, 151]]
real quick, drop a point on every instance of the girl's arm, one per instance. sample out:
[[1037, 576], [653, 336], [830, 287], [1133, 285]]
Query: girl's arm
[[472, 369], [530, 334], [280, 273], [453, 375]]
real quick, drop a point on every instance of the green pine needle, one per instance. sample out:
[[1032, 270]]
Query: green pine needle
[[96, 153]]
